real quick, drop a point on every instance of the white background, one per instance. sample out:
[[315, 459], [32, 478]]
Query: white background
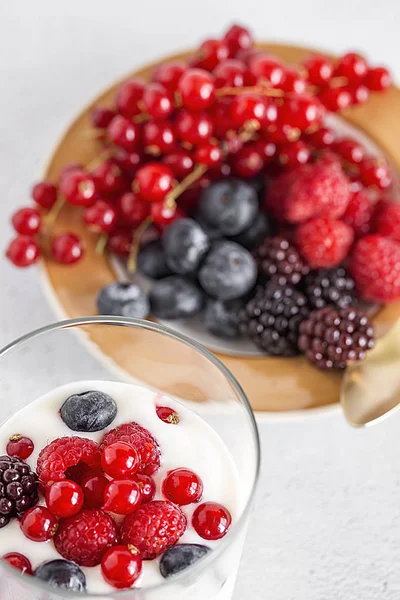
[[327, 517]]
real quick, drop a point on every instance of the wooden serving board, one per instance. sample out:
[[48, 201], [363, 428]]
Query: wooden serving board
[[271, 384]]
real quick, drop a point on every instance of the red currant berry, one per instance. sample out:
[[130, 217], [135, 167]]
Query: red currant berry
[[69, 168], [378, 79], [182, 486], [153, 181], [147, 487], [38, 524], [211, 521], [230, 73], [190, 198], [157, 101], [129, 96], [248, 107], [210, 54], [322, 138], [220, 115], [376, 172], [246, 54], [180, 162], [67, 248], [247, 162], [93, 486], [281, 133], [120, 460], [101, 217], [168, 415], [102, 117], [64, 498], [158, 137], [169, 74], [133, 209], [44, 194], [19, 562], [292, 82], [197, 89], [78, 188], [267, 150], [122, 496], [352, 66], [319, 68], [335, 99], [238, 38], [267, 68], [208, 154], [301, 112], [20, 446], [163, 215], [123, 133], [193, 128], [121, 566], [23, 251], [359, 93], [108, 178], [128, 162], [350, 150], [294, 154], [120, 242], [26, 221]]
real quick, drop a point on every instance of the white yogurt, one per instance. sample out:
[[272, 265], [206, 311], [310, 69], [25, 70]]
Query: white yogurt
[[192, 444]]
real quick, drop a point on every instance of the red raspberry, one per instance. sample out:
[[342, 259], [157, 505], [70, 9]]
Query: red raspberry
[[311, 190], [375, 268], [86, 537], [387, 220], [359, 213], [141, 439], [324, 242], [63, 453], [153, 528]]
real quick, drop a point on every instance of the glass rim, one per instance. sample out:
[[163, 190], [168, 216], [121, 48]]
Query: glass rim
[[225, 542]]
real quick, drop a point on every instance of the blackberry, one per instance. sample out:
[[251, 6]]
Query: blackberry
[[330, 337], [272, 317], [18, 488], [279, 261], [330, 287]]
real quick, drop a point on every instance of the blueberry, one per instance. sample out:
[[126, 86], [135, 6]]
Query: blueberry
[[230, 205], [229, 271], [251, 237], [180, 557], [89, 411], [213, 232], [185, 244], [62, 574], [123, 299], [176, 297], [151, 261], [222, 318]]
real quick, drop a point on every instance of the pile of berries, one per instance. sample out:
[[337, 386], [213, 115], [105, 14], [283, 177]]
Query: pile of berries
[[225, 163], [97, 501]]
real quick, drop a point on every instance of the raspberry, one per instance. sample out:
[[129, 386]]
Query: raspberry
[[320, 189], [65, 453], [375, 268], [324, 242], [330, 337], [153, 528], [387, 220], [279, 261], [86, 537], [141, 439], [359, 213]]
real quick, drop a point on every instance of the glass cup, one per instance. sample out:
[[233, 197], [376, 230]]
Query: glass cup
[[170, 364]]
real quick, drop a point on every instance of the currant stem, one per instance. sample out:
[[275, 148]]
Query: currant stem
[[92, 135], [170, 199], [137, 236], [54, 212], [97, 160], [102, 243], [256, 89]]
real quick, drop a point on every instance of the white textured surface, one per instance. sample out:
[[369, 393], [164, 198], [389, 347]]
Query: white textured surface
[[327, 518]]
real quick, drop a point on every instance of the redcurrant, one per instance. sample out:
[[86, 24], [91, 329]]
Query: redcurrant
[[168, 415], [211, 520], [102, 117], [128, 162], [248, 107], [120, 242], [230, 73], [182, 487], [238, 38], [38, 524], [169, 74], [359, 93], [23, 251], [352, 66], [120, 460], [158, 137], [267, 150], [376, 172], [335, 99], [26, 221], [132, 209], [44, 194], [220, 115], [350, 150], [210, 54], [247, 162], [67, 248], [147, 487], [378, 79], [163, 215], [121, 566], [122, 496], [123, 133], [180, 162], [64, 498], [292, 82], [108, 178], [19, 562], [301, 112], [193, 128], [101, 217], [267, 68], [129, 96], [294, 154], [319, 69], [157, 101], [322, 138], [93, 486], [20, 446], [78, 188], [197, 89], [153, 181], [208, 154]]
